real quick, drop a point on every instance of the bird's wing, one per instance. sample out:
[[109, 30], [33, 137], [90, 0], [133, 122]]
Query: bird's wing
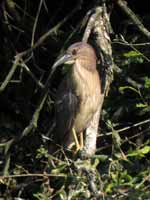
[[66, 105]]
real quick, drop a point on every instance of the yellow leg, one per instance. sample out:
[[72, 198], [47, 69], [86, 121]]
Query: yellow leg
[[81, 140], [78, 147]]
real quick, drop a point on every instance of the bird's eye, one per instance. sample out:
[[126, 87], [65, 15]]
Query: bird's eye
[[74, 52]]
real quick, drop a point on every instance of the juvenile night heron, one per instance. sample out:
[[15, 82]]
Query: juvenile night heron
[[78, 95]]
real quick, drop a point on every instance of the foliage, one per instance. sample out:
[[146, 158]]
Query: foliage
[[121, 167]]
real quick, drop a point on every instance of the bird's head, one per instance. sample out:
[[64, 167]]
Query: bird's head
[[80, 52]]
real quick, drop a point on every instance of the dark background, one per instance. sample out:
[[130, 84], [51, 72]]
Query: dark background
[[123, 107]]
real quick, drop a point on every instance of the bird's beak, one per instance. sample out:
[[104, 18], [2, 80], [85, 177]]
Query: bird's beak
[[64, 59]]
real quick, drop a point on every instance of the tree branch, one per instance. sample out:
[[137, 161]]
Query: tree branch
[[123, 5], [100, 24]]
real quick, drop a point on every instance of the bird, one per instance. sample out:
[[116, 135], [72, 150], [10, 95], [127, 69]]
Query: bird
[[78, 96]]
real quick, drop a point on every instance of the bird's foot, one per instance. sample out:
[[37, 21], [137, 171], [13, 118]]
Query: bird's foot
[[74, 147], [77, 149]]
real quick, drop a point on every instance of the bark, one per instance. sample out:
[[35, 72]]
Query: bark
[[100, 23]]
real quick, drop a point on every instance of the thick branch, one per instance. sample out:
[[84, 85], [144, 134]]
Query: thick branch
[[99, 22]]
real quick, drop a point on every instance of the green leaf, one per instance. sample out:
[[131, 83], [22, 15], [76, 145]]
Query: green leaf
[[147, 82], [131, 54], [121, 89], [41, 196], [141, 105], [145, 150], [59, 169], [140, 152], [62, 194], [145, 110]]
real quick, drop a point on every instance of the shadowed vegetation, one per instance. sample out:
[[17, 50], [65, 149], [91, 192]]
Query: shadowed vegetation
[[33, 34]]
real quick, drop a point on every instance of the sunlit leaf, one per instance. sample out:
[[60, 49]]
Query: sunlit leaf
[[147, 82], [131, 54], [141, 105], [122, 88]]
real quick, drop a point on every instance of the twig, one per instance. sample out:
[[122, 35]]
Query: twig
[[136, 135], [33, 123], [7, 164], [39, 84], [10, 74], [48, 33], [31, 127], [126, 42], [123, 142], [18, 62], [34, 175], [116, 41], [35, 22], [126, 128], [123, 5]]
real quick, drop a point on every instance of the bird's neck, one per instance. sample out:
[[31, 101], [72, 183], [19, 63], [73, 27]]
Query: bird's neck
[[79, 78]]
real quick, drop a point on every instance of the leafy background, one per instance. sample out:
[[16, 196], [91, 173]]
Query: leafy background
[[120, 169]]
